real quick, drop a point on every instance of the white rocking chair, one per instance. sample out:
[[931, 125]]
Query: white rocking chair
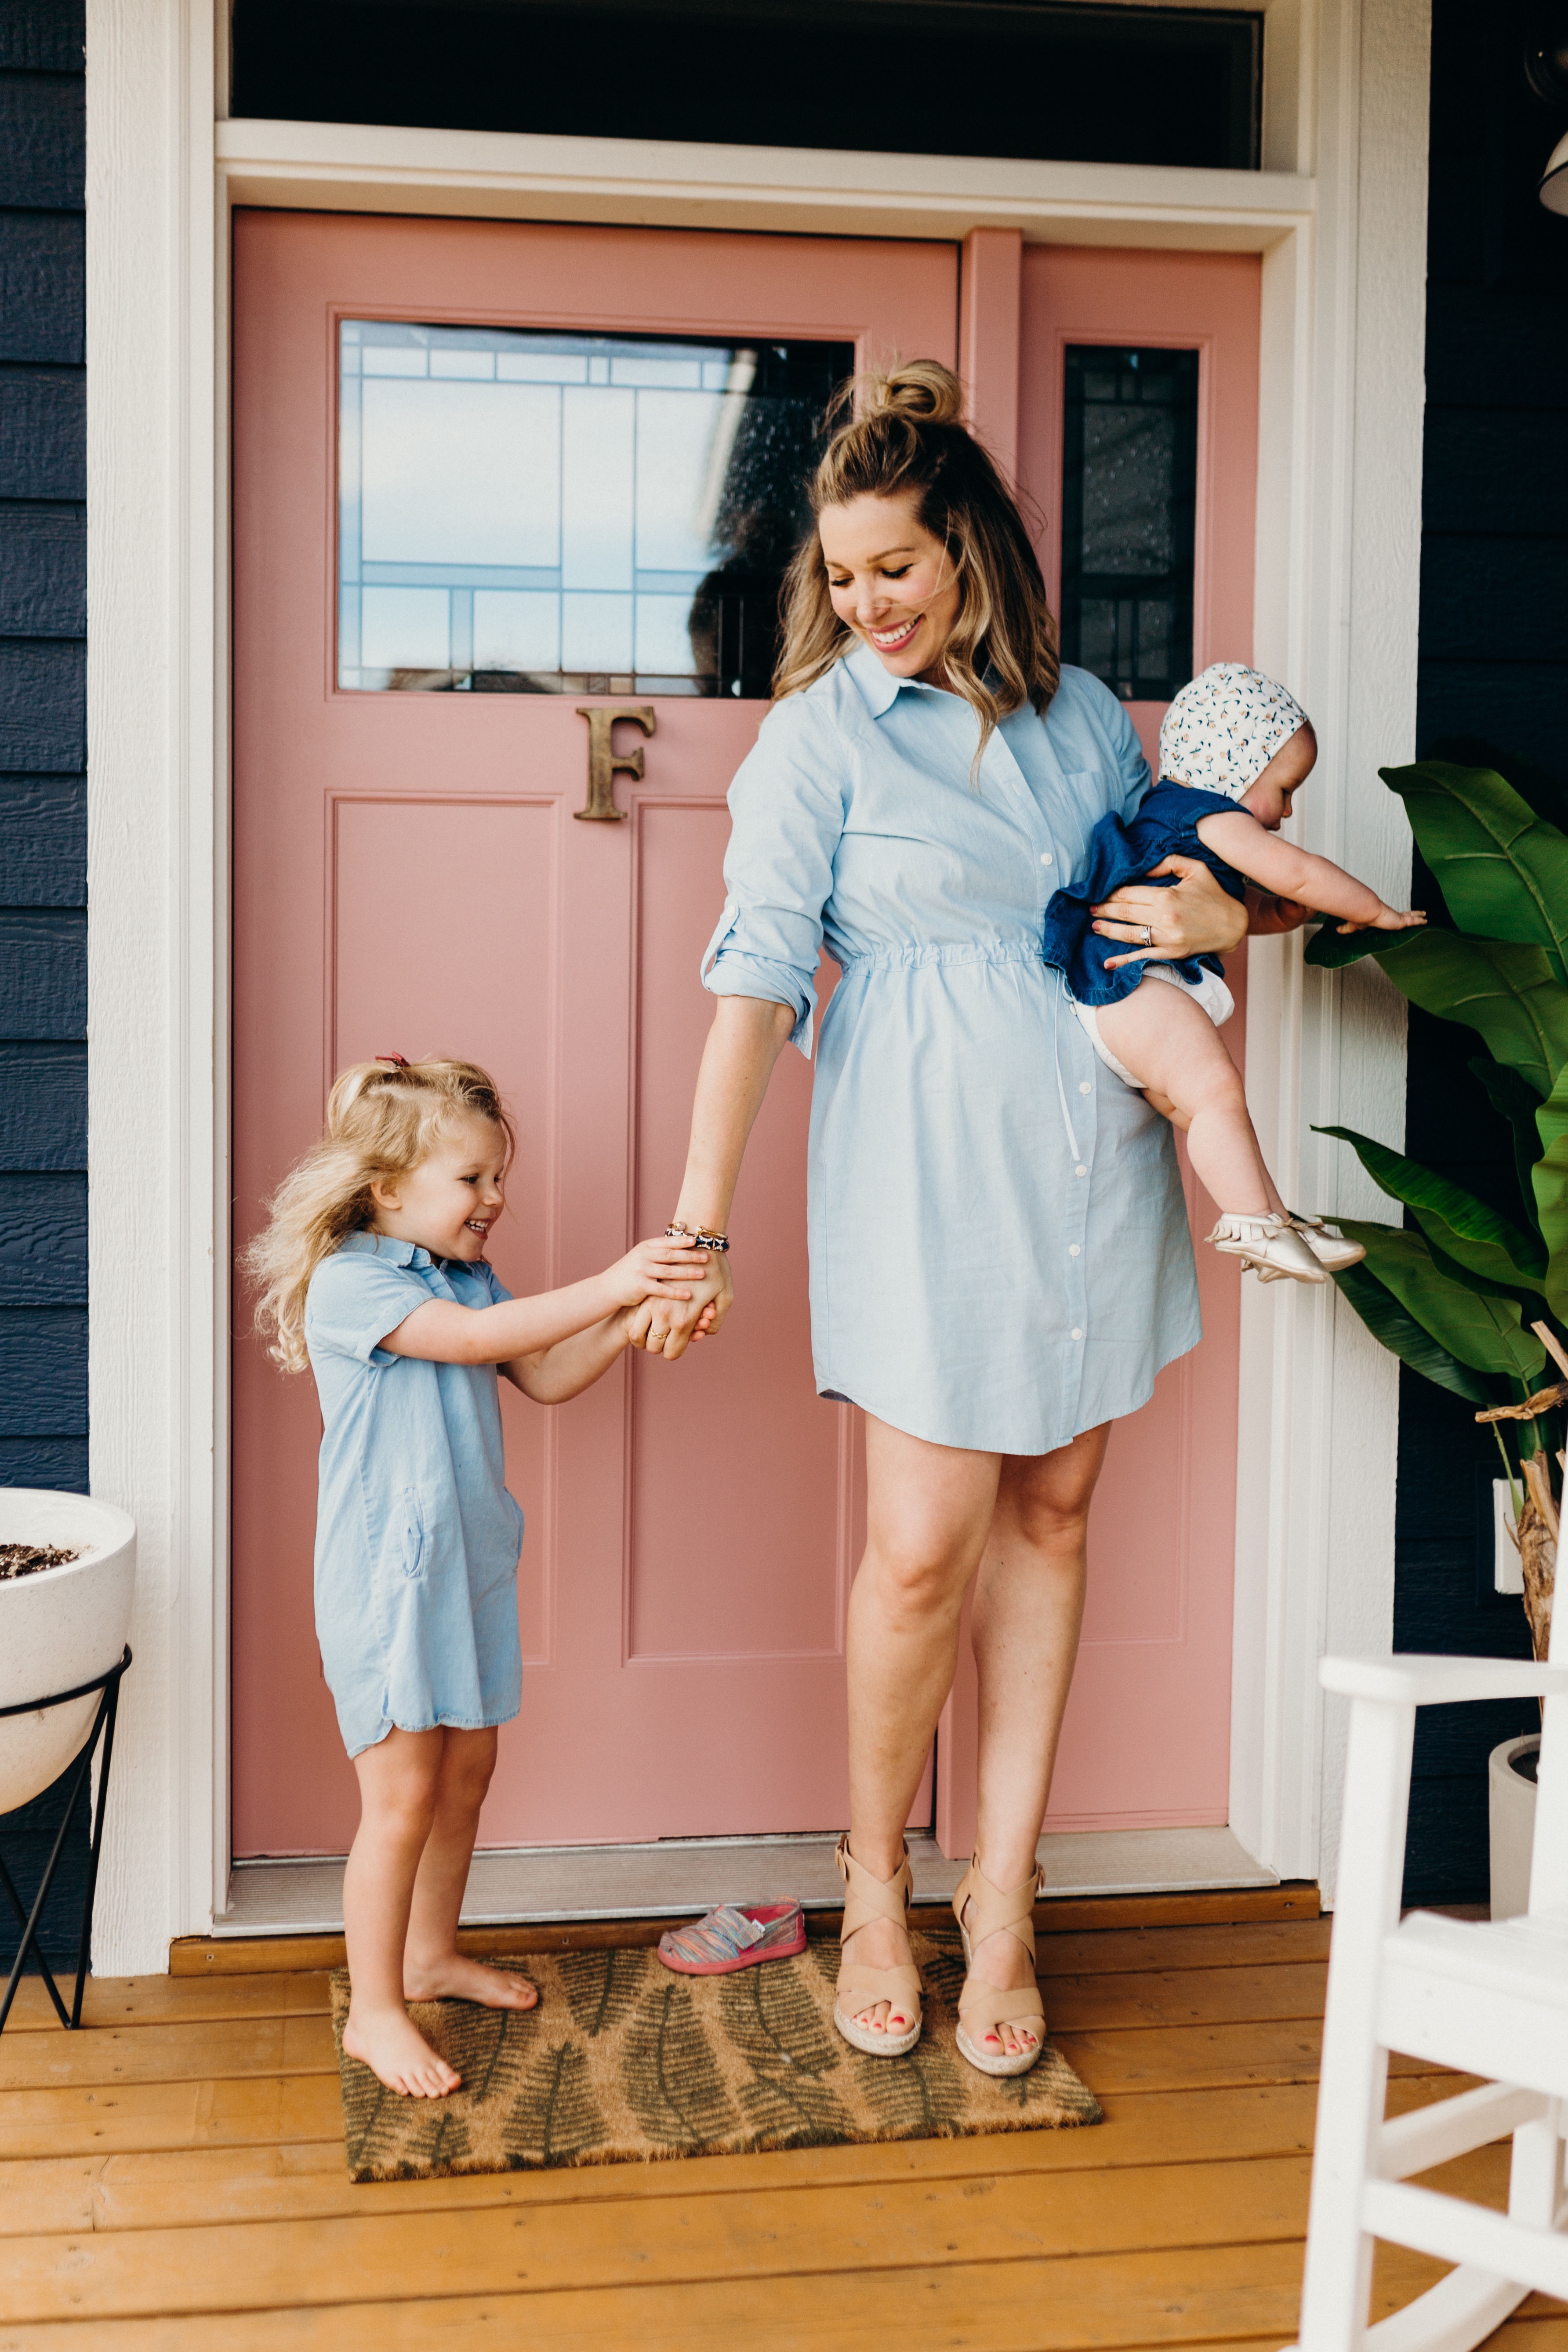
[[1485, 1998]]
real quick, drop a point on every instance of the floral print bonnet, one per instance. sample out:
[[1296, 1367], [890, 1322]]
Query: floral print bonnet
[[1222, 729]]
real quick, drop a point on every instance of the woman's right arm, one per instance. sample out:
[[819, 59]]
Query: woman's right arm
[[746, 1039]]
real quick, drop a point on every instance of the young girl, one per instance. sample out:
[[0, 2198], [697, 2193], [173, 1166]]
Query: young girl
[[373, 1276], [1234, 748]]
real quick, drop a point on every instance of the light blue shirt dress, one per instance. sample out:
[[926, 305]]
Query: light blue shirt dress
[[999, 1248], [417, 1538]]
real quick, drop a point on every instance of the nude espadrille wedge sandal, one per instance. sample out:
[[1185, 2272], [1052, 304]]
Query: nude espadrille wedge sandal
[[985, 2009], [866, 1898]]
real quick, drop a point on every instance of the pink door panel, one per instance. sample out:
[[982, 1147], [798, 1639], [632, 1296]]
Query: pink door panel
[[1146, 1740], [409, 878]]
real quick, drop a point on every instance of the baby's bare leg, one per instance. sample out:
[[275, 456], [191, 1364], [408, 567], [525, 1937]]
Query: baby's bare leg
[[1174, 1049]]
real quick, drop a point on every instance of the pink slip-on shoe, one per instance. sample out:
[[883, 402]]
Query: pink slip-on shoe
[[735, 1936]]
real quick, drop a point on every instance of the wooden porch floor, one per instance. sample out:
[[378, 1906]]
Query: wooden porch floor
[[172, 2181]]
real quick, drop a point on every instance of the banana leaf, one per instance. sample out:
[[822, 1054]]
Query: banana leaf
[[1550, 1177], [1516, 1103], [1505, 990], [1543, 794], [1503, 871], [1485, 1332], [1328, 950], [1397, 1330], [1452, 1220]]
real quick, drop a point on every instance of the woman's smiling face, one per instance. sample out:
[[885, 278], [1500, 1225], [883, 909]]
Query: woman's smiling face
[[891, 583]]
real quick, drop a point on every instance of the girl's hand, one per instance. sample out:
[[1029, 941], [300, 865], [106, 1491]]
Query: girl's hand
[[1194, 916], [1388, 919], [657, 1269]]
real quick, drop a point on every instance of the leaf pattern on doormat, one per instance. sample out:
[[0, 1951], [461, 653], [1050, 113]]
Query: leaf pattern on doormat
[[623, 2062]]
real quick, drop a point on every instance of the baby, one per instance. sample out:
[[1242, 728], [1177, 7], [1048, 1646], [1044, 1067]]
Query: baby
[[1234, 748]]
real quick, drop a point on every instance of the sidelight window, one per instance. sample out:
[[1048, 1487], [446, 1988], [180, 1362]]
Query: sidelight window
[[1128, 482]]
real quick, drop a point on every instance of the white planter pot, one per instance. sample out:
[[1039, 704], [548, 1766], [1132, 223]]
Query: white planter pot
[[58, 1628], [1513, 1806]]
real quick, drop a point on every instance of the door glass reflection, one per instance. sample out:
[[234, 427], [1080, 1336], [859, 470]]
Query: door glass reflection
[[549, 514], [1128, 482]]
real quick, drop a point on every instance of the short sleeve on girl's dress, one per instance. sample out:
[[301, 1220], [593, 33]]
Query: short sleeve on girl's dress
[[355, 1299], [786, 818]]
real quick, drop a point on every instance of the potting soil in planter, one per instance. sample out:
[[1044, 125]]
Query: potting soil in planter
[[25, 1560]]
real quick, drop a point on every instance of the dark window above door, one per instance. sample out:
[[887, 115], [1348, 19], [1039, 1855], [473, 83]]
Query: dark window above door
[[1032, 79]]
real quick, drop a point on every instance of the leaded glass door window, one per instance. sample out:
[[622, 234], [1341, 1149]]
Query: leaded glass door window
[[534, 513], [1129, 489]]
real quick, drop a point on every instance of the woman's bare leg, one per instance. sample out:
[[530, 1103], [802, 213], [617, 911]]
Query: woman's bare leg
[[1174, 1050], [928, 1513], [1028, 1606], [397, 1782], [433, 1968]]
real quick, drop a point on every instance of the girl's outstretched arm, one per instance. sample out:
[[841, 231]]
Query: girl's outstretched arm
[[442, 1332], [1290, 873]]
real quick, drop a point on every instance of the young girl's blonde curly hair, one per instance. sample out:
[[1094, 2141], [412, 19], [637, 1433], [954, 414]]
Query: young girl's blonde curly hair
[[382, 1119], [907, 440]]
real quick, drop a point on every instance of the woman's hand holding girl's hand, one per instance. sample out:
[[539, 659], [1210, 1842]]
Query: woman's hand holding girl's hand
[[664, 1268], [668, 1330]]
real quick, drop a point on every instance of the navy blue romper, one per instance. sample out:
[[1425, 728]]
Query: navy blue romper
[[1119, 852]]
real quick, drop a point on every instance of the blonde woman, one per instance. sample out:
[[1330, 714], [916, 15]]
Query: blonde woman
[[372, 1276], [1000, 1262]]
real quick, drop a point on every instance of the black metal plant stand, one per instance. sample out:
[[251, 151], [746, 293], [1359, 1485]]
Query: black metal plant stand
[[102, 1726]]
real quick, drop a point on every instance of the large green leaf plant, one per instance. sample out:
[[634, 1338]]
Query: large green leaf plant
[[1458, 1293]]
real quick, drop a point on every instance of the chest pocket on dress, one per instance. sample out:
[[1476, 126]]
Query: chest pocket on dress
[[1073, 816]]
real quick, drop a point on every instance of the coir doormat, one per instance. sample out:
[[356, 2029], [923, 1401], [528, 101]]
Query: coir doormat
[[623, 2062]]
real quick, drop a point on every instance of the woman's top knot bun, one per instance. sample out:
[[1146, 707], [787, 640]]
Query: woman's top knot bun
[[923, 391]]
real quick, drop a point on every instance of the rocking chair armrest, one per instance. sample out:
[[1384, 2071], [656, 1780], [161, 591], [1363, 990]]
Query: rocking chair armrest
[[1416, 1679]]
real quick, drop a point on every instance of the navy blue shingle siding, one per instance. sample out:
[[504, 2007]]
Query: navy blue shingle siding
[[1493, 665], [43, 827]]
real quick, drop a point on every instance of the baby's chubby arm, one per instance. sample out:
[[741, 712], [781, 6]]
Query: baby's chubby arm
[[553, 1345], [1287, 872]]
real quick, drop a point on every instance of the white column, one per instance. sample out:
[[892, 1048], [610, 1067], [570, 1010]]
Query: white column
[[153, 909]]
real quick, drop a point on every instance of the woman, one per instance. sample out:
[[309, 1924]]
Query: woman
[[1000, 1262]]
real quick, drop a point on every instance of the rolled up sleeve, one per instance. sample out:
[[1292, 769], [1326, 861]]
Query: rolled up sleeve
[[786, 815]]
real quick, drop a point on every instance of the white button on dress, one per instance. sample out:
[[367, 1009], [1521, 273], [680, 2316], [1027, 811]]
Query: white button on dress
[[939, 1208]]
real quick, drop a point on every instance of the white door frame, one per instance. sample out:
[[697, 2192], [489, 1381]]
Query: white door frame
[[1340, 219]]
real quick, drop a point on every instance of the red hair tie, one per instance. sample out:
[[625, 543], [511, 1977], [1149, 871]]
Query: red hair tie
[[398, 1061]]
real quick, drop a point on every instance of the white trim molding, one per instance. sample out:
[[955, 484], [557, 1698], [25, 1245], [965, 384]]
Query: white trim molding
[[1338, 217]]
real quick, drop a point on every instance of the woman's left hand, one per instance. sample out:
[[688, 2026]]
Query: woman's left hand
[[669, 1327], [1191, 917]]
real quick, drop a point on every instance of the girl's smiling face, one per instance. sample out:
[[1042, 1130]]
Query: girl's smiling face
[[890, 582], [450, 1201]]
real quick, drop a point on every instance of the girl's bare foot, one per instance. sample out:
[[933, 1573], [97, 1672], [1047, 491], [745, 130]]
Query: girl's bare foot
[[388, 2041], [456, 1978]]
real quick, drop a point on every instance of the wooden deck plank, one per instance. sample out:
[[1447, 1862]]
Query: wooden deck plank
[[226, 2048], [197, 2113], [1247, 1944], [1081, 2000], [1086, 2303], [270, 2175], [761, 2233], [176, 2000]]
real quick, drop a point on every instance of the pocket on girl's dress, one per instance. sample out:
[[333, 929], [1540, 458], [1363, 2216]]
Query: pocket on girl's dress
[[408, 1548]]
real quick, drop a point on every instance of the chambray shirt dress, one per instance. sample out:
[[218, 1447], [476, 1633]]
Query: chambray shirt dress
[[999, 1248], [417, 1538]]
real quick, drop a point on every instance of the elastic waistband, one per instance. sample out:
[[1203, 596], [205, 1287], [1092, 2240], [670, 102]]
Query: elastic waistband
[[915, 956]]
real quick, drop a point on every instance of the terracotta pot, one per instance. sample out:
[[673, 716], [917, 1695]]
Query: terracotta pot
[[1512, 1825], [59, 1627]]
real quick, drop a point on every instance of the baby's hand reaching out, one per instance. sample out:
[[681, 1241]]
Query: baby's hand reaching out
[[657, 1269], [1388, 918]]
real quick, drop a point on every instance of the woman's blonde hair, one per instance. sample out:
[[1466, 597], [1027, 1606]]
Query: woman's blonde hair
[[907, 440], [382, 1119]]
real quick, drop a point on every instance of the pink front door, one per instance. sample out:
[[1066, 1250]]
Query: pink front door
[[479, 472], [475, 467]]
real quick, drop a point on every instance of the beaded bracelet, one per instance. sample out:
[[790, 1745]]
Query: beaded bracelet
[[677, 1232]]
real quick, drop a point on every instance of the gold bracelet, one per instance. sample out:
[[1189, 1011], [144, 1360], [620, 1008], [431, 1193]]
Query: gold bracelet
[[678, 1232]]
